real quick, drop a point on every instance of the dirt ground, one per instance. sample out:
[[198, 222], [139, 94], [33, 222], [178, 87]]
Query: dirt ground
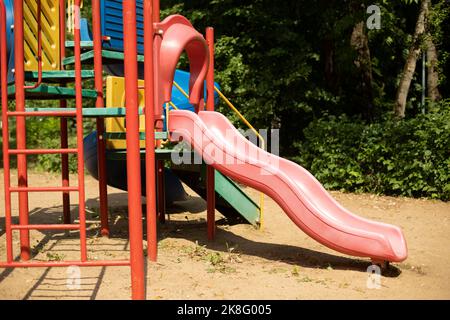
[[279, 262]]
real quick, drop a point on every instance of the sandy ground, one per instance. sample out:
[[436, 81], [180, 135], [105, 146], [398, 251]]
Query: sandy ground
[[279, 262]]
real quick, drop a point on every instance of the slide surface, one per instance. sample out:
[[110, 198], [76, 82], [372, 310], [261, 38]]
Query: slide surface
[[296, 191]]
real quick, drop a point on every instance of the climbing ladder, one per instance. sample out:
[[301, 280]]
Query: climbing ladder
[[41, 91]]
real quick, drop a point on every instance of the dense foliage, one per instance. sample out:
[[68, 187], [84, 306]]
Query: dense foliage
[[410, 157]]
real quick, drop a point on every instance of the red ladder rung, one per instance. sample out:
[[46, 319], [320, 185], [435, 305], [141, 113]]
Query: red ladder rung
[[48, 264], [46, 227], [43, 151], [42, 113], [43, 189]]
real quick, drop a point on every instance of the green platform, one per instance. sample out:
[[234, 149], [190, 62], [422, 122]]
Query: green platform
[[46, 92], [83, 44], [106, 54], [63, 76], [89, 112]]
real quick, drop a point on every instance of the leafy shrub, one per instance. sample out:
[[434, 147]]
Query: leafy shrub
[[409, 157]]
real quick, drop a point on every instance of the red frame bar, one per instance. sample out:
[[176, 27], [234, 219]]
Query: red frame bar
[[63, 122], [152, 238], [133, 151], [99, 263], [5, 132], [46, 227], [101, 143], [43, 189], [20, 127], [42, 151], [210, 181], [44, 114]]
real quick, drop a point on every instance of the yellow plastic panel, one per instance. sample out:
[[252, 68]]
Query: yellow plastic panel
[[49, 32], [115, 98]]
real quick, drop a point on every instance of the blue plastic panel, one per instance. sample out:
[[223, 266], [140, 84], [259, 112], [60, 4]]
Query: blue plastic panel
[[112, 24]]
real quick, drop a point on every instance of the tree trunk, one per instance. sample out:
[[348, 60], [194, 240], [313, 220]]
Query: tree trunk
[[411, 61], [433, 74], [330, 72], [363, 62]]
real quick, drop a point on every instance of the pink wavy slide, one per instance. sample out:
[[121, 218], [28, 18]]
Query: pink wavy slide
[[296, 191]]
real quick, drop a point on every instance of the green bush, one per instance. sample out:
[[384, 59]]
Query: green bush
[[409, 157]]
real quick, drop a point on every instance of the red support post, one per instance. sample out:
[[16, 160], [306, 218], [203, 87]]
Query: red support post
[[152, 246], [161, 202], [79, 120], [5, 132], [63, 121], [133, 151], [161, 192], [158, 107], [210, 182], [101, 143], [21, 129], [156, 11]]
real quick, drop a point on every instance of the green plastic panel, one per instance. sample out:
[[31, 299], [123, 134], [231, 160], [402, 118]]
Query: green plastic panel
[[235, 196]]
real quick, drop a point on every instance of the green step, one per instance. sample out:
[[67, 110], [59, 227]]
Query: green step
[[106, 54], [83, 44], [52, 92], [88, 112], [60, 76]]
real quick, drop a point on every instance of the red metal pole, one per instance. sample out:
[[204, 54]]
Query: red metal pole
[[161, 192], [63, 121], [21, 129], [79, 119], [101, 143], [133, 151], [5, 132], [156, 11], [152, 246], [158, 107], [161, 203], [210, 183]]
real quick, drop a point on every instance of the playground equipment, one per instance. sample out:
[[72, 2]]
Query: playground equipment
[[141, 118]]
